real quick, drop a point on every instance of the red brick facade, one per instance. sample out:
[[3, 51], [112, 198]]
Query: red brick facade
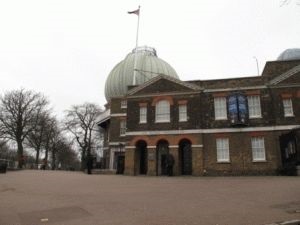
[[194, 141]]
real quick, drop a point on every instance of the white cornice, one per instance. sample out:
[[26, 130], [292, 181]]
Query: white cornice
[[235, 89], [165, 94], [171, 146], [211, 131], [116, 143], [118, 114]]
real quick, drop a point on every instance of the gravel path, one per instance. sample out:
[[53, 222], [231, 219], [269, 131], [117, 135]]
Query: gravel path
[[73, 198]]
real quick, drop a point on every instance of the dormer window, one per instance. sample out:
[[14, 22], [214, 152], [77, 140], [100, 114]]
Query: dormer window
[[162, 111]]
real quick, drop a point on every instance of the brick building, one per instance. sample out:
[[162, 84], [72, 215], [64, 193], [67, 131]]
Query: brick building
[[213, 127]]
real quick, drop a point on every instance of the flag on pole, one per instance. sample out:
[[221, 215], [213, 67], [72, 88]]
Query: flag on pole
[[136, 12]]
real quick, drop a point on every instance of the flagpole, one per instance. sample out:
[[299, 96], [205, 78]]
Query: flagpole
[[136, 45]]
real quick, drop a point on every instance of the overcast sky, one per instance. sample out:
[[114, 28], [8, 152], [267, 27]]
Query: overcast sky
[[66, 48]]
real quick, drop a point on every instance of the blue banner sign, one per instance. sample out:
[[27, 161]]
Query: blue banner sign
[[238, 109]]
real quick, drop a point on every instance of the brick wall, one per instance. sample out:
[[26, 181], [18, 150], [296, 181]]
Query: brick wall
[[240, 152], [194, 114]]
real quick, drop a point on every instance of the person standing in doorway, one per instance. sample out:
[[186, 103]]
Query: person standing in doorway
[[170, 163]]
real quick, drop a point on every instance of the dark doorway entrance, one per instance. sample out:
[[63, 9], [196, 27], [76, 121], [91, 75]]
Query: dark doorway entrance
[[120, 164], [290, 152], [162, 150], [185, 157], [141, 157]]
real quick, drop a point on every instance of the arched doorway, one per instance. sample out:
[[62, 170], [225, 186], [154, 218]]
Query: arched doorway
[[141, 157], [185, 157], [162, 150]]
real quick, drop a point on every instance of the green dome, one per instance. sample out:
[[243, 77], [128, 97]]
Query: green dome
[[289, 54], [148, 66]]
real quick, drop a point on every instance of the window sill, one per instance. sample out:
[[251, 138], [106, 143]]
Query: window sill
[[255, 117], [182, 121], [289, 116], [260, 161], [122, 135], [143, 123], [165, 121], [221, 118]]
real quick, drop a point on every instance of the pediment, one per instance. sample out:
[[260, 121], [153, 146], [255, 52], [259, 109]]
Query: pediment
[[163, 84], [294, 79], [291, 77]]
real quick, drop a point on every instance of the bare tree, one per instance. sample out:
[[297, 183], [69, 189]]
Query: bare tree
[[19, 114], [67, 156], [55, 145], [80, 121], [37, 138], [51, 132]]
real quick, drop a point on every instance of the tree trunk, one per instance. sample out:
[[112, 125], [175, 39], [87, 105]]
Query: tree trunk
[[37, 157], [46, 155], [83, 160], [20, 154], [53, 160]]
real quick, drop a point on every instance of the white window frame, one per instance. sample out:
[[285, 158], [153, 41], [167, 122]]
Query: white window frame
[[288, 107], [124, 104], [143, 114], [182, 110], [222, 145], [122, 127], [258, 149], [162, 111], [220, 106], [254, 106]]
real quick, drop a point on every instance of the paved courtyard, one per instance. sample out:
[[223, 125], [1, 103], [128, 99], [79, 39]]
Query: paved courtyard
[[73, 198]]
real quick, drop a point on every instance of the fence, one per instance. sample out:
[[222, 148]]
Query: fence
[[10, 163]]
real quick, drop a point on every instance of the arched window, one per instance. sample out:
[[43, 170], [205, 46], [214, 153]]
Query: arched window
[[162, 111]]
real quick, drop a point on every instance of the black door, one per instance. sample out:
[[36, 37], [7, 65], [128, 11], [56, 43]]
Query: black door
[[143, 161], [186, 160], [163, 165], [120, 164]]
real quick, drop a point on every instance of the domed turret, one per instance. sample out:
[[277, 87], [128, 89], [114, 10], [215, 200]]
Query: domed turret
[[148, 66], [289, 54]]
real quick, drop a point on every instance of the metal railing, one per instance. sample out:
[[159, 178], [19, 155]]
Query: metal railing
[[10, 163]]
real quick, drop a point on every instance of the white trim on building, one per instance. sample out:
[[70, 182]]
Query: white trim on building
[[211, 131]]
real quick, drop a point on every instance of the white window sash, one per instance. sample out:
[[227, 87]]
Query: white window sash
[[254, 107], [182, 113], [288, 107], [162, 111], [143, 114], [258, 149], [220, 108], [123, 104], [222, 150], [122, 128]]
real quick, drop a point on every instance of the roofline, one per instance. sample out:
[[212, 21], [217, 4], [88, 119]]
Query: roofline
[[230, 78], [172, 79]]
